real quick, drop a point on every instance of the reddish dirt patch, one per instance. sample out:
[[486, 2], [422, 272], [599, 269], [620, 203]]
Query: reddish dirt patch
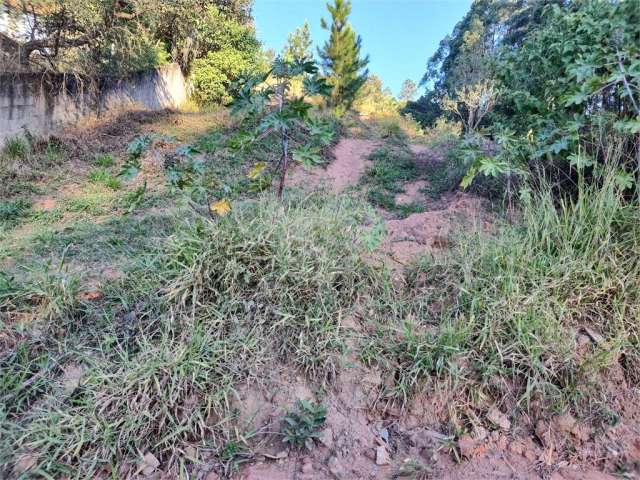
[[412, 193], [424, 232], [351, 160], [45, 203]]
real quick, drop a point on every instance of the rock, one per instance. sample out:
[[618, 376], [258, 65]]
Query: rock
[[149, 464], [336, 469], [498, 418], [281, 454], [467, 446], [582, 340], [307, 468], [382, 456], [370, 454], [595, 336], [480, 433], [25, 463], [191, 452], [564, 423], [212, 476], [71, 377]]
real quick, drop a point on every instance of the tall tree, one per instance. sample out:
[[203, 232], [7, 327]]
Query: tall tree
[[340, 56], [408, 91], [298, 45]]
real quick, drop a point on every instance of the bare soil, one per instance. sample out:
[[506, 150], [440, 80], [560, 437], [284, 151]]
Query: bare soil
[[350, 162]]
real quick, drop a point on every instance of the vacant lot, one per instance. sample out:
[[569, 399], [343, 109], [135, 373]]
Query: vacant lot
[[374, 323]]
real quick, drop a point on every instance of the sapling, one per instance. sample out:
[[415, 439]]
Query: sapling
[[265, 101]]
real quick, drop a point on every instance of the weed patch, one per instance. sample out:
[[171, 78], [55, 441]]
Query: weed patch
[[393, 165], [498, 318]]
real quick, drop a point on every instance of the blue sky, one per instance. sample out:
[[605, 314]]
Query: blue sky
[[399, 35]]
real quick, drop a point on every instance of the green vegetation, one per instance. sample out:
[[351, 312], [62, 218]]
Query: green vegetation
[[393, 166], [15, 148], [147, 294], [340, 56], [301, 427], [500, 303]]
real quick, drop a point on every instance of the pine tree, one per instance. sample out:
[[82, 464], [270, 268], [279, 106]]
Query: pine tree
[[298, 45], [340, 56]]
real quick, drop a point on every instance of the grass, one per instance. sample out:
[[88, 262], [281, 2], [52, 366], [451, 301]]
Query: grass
[[393, 165], [270, 281], [105, 160], [497, 319], [13, 209], [102, 176], [89, 386], [15, 148]]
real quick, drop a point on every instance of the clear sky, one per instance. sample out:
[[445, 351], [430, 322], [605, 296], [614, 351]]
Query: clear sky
[[399, 35]]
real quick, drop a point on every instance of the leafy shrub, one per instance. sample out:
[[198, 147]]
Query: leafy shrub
[[302, 426], [213, 75], [576, 73]]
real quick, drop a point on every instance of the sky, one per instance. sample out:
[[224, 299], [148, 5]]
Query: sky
[[398, 35]]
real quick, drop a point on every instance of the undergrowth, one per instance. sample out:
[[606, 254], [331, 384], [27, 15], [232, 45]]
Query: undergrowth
[[151, 368], [393, 166], [497, 319]]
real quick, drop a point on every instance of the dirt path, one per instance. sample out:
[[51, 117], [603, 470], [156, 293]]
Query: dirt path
[[350, 162]]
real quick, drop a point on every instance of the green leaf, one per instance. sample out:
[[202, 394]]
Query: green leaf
[[580, 160]]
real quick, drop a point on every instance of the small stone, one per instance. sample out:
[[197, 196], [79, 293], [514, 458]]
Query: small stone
[[336, 469], [212, 476], [370, 454], [191, 452], [281, 454], [498, 418], [149, 464], [480, 433], [564, 423], [467, 446], [382, 456], [583, 340], [26, 462], [307, 468]]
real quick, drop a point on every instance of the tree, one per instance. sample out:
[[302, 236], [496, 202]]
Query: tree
[[298, 45], [120, 36], [342, 63], [264, 101], [408, 91], [373, 100]]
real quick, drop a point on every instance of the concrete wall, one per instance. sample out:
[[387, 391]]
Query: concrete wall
[[43, 104]]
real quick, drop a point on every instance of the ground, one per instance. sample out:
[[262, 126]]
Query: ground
[[82, 220]]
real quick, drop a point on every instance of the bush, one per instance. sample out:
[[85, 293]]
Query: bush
[[213, 75]]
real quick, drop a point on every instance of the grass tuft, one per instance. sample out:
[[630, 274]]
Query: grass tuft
[[16, 148]]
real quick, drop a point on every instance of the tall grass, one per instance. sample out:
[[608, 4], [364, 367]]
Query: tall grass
[[499, 318]]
